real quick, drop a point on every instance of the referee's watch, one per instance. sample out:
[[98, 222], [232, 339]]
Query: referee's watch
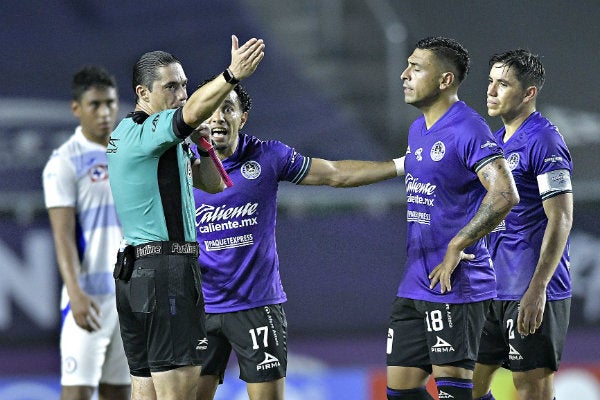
[[229, 78]]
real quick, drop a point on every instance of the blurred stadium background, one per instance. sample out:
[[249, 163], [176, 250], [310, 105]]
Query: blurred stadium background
[[329, 86]]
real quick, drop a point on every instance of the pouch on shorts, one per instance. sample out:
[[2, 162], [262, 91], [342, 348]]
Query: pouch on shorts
[[124, 265], [142, 291]]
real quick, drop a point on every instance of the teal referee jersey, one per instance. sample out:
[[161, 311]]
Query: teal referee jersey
[[151, 178]]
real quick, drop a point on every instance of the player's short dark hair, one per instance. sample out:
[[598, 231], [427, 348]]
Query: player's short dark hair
[[527, 66], [450, 52], [145, 70], [243, 96], [88, 77]]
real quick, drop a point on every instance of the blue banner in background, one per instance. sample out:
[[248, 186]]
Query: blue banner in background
[[30, 388]]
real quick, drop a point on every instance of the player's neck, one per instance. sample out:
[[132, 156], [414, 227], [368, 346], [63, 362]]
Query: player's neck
[[225, 152], [512, 122], [145, 107], [437, 109], [101, 140]]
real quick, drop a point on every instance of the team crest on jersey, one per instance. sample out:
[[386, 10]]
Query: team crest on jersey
[[437, 151], [513, 161], [98, 173], [251, 170], [69, 365], [419, 154]]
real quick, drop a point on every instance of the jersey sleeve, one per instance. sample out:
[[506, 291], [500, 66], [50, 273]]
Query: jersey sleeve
[[161, 131], [293, 166], [549, 153], [60, 183], [551, 164], [477, 145]]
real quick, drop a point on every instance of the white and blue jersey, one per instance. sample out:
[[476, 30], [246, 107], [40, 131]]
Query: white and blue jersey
[[76, 175]]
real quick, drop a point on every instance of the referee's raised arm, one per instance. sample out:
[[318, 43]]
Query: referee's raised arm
[[205, 99]]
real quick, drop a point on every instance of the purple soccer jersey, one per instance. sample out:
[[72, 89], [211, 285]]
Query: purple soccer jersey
[[534, 149], [443, 194], [236, 228]]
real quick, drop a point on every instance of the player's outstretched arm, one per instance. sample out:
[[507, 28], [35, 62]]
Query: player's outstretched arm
[[352, 173]]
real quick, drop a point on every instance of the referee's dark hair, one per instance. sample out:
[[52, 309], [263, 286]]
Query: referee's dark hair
[[450, 52], [91, 76], [527, 67]]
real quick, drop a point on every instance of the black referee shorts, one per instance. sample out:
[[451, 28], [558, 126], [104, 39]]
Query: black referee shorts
[[161, 313]]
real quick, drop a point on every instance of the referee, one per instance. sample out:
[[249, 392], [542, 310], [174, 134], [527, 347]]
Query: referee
[[152, 171]]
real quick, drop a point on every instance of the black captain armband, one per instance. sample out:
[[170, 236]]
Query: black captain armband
[[230, 78]]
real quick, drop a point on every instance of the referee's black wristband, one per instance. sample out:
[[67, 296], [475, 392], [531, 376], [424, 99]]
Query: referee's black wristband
[[230, 78]]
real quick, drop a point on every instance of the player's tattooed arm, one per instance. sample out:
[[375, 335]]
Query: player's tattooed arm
[[501, 196]]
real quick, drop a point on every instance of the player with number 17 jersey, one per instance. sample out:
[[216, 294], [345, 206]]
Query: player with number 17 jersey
[[236, 228], [443, 194]]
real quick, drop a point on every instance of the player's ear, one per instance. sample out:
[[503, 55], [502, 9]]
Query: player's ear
[[142, 93], [530, 94], [76, 108], [243, 119], [446, 80]]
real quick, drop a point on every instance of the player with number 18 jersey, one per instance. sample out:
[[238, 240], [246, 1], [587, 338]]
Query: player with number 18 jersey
[[443, 194]]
